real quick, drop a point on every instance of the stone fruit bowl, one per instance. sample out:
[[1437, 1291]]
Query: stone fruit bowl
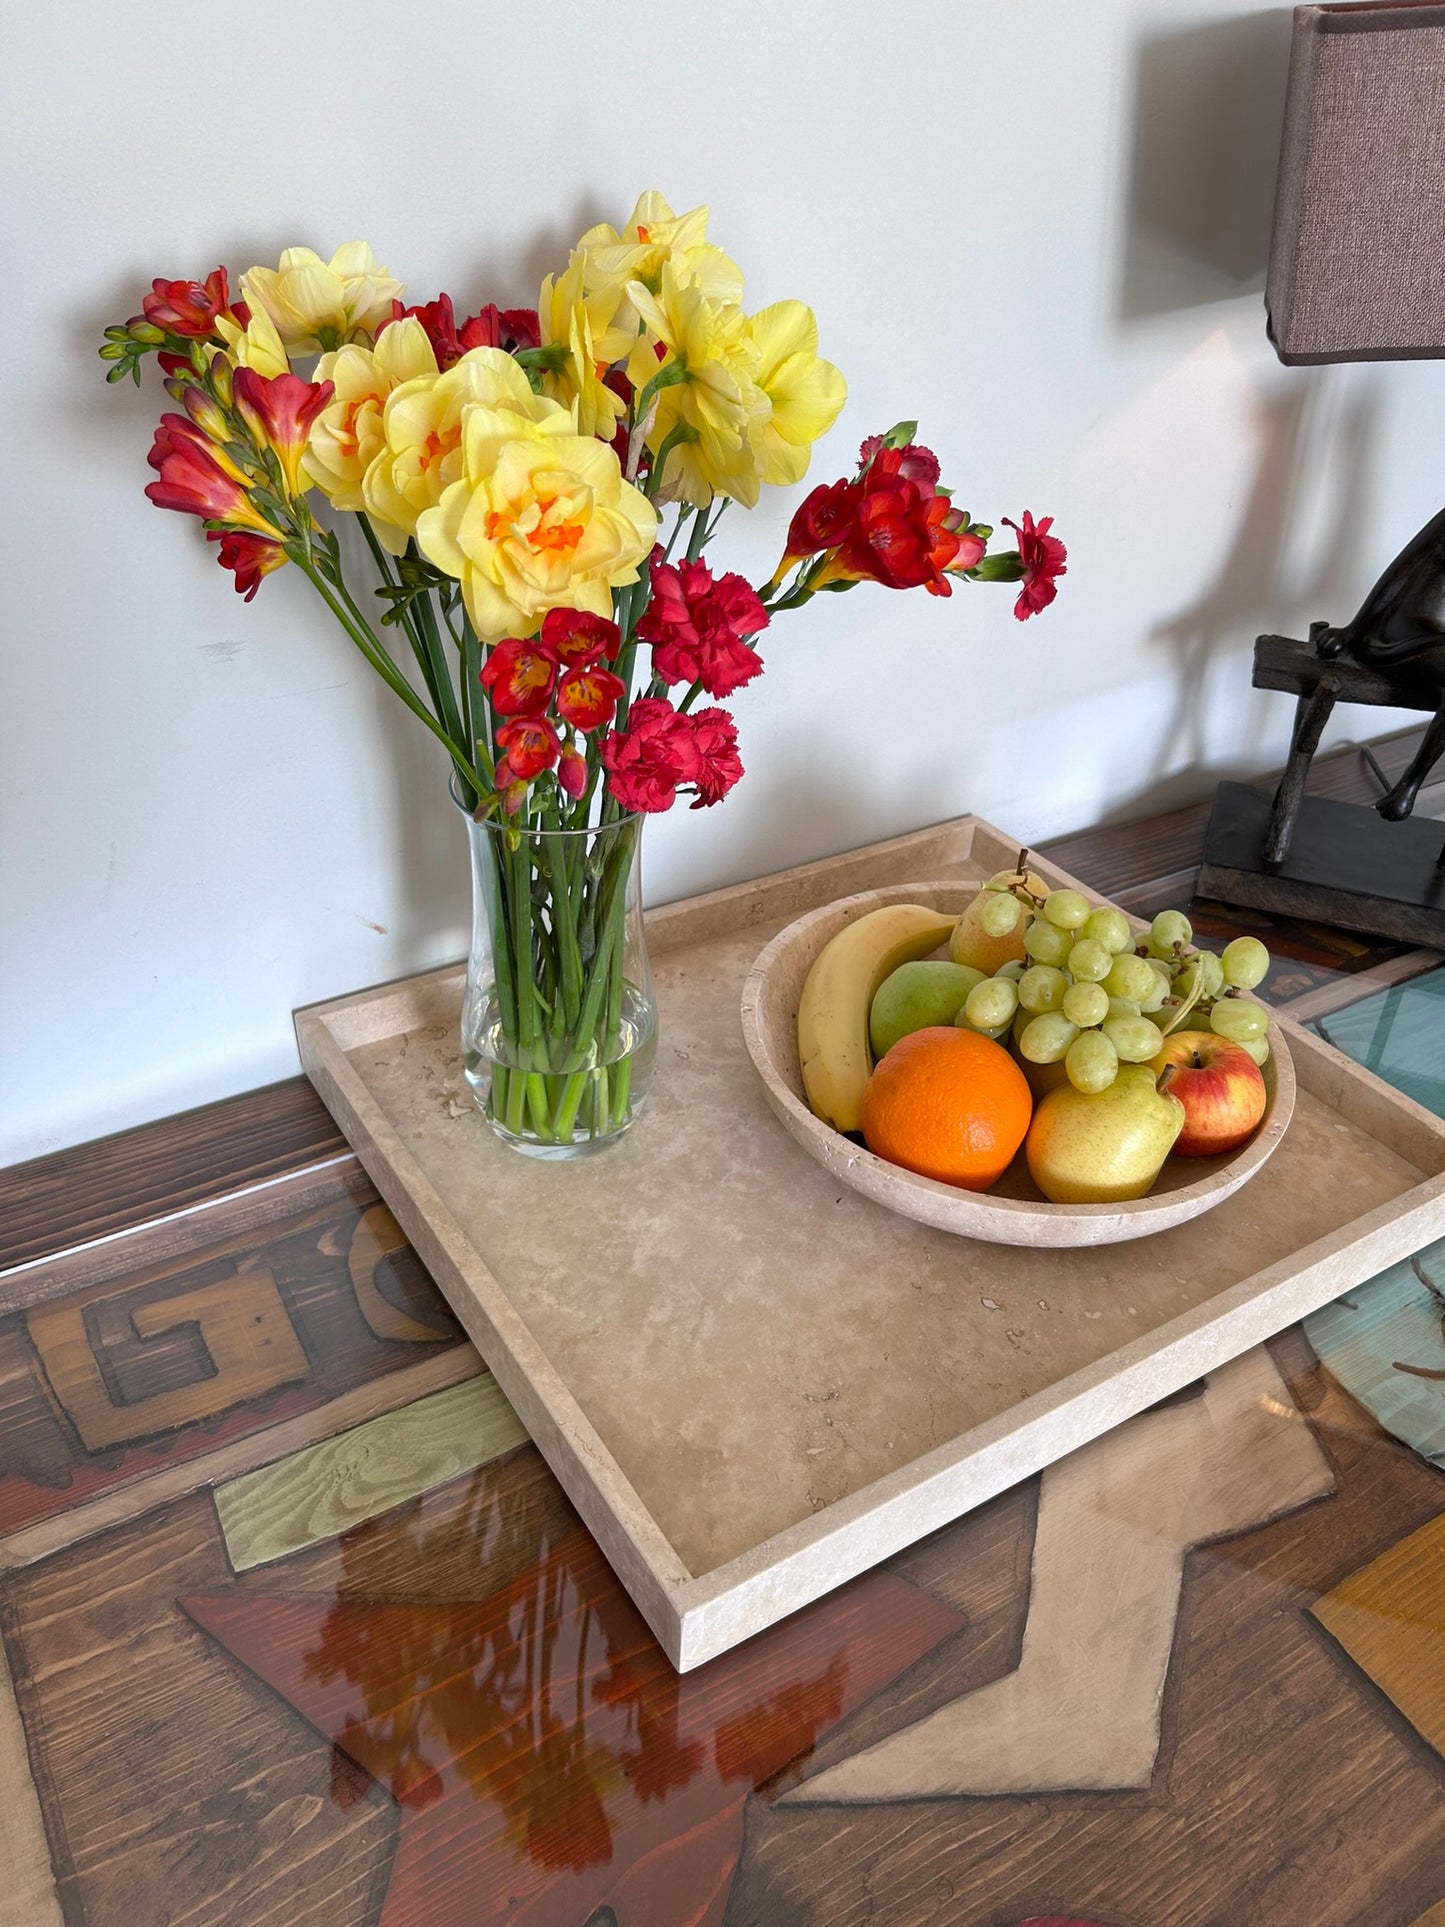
[[1015, 1212]]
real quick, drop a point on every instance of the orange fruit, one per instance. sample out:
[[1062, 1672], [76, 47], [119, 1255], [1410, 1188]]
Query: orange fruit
[[948, 1104]]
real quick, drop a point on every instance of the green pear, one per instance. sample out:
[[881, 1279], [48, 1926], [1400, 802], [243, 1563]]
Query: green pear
[[1103, 1147], [915, 997]]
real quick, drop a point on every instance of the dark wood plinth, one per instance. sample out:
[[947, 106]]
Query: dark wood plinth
[[1346, 865]]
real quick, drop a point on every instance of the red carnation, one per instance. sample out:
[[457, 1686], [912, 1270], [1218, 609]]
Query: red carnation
[[715, 738], [531, 746], [189, 307], [649, 761], [1044, 558], [250, 556], [576, 639], [697, 624], [518, 678], [915, 463], [587, 698]]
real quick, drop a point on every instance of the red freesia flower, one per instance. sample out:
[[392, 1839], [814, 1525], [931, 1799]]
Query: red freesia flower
[[576, 639], [587, 698], [279, 411], [903, 535], [715, 739], [572, 771], [250, 556], [649, 761], [696, 625], [822, 521], [192, 479], [190, 307], [518, 678], [493, 327], [1044, 558], [532, 745]]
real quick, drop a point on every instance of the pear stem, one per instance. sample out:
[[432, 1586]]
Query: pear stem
[[1166, 1078]]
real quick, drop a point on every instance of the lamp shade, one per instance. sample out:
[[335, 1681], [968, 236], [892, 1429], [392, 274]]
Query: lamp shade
[[1357, 263]]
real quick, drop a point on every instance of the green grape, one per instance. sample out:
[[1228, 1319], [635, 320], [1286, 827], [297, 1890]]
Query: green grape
[[1048, 1038], [1134, 1038], [1156, 994], [1245, 963], [1211, 970], [1086, 1004], [1258, 1048], [1046, 943], [1012, 970], [1000, 914], [1169, 928], [1089, 962], [1122, 1006], [1091, 1061], [991, 1004], [997, 1034], [1042, 988], [1111, 928], [1237, 1018], [1130, 977], [1066, 909]]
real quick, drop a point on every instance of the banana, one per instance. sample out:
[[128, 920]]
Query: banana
[[838, 995]]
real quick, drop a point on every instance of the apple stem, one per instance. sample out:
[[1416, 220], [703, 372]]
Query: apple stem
[[1166, 1078]]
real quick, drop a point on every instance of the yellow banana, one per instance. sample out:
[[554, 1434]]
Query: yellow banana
[[838, 994]]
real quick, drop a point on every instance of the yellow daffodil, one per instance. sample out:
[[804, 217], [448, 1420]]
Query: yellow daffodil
[[539, 519], [317, 305], [805, 393], [421, 427], [653, 238], [718, 406], [583, 327], [348, 436], [257, 345]]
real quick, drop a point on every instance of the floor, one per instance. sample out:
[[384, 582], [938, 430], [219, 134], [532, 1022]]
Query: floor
[[301, 1629]]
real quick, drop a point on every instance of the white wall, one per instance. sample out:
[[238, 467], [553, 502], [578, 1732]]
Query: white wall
[[1038, 228]]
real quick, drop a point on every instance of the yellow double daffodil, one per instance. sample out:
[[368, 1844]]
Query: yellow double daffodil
[[348, 434], [651, 239], [583, 325], [540, 518], [421, 427], [318, 305]]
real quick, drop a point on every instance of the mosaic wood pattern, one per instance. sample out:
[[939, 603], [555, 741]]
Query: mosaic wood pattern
[[162, 1360], [1385, 1342], [1390, 1619], [1115, 1520], [332, 1487], [545, 1758], [27, 1885]]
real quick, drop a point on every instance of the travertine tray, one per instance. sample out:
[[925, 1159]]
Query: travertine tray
[[755, 1383]]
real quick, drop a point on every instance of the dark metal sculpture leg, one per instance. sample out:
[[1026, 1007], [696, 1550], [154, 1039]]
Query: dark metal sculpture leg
[[1399, 801], [1311, 714]]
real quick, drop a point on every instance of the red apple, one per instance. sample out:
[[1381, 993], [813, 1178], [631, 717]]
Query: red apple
[[1221, 1088]]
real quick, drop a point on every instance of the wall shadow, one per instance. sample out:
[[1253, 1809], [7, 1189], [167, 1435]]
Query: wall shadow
[[1208, 111]]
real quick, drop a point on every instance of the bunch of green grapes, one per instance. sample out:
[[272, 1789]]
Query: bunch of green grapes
[[1091, 997]]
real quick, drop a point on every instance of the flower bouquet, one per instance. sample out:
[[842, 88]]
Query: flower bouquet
[[538, 491]]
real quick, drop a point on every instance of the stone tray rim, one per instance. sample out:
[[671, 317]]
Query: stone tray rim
[[696, 1617]]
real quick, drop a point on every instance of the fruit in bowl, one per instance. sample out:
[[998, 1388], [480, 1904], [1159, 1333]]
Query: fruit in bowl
[[1220, 1087], [1087, 1014]]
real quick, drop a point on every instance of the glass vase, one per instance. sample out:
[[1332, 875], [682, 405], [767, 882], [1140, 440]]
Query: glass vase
[[559, 1023]]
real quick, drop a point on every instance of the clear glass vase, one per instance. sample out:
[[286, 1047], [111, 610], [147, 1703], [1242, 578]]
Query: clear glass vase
[[559, 1024]]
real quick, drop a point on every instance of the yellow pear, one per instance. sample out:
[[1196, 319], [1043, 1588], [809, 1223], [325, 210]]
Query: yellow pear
[[1103, 1147], [971, 944]]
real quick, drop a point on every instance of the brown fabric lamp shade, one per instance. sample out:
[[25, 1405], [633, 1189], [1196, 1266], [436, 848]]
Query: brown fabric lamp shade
[[1357, 264]]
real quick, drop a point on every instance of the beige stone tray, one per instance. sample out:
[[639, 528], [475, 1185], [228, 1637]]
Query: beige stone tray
[[755, 1383]]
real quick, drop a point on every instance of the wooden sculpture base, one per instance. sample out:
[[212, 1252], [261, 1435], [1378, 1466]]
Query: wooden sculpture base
[[1345, 865]]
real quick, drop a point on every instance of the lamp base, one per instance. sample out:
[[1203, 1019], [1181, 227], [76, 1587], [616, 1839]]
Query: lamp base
[[1346, 866]]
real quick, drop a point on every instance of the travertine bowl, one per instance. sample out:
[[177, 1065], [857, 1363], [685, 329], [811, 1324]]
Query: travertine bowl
[[1015, 1212]]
